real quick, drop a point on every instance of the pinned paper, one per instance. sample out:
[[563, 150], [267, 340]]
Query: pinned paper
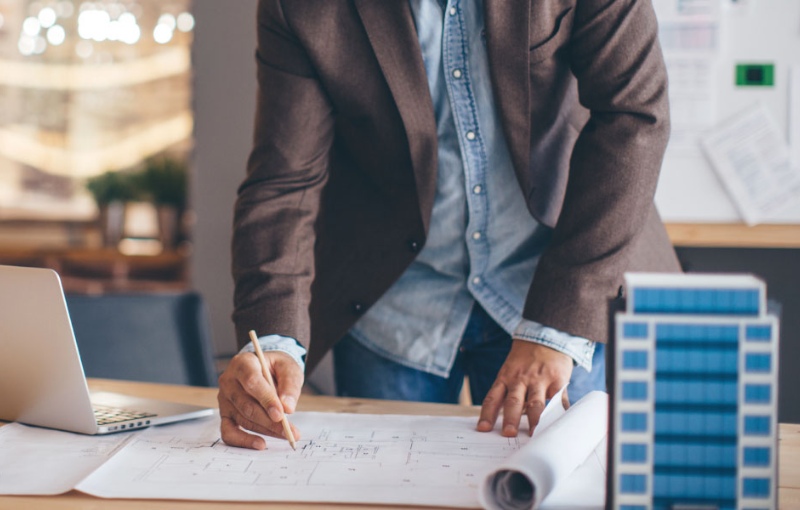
[[751, 158]]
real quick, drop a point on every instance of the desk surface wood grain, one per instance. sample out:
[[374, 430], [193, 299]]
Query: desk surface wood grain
[[789, 483], [733, 235]]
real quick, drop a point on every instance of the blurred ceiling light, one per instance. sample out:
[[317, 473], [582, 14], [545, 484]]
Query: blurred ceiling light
[[31, 26], [129, 31], [93, 24], [168, 20], [162, 34], [47, 17], [114, 30], [56, 35], [111, 20], [127, 18], [185, 22]]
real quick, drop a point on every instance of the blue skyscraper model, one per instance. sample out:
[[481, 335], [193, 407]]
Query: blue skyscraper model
[[694, 395]]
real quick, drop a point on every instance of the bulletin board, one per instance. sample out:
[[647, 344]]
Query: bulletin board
[[725, 57]]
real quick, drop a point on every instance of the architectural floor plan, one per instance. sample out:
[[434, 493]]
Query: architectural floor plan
[[366, 458]]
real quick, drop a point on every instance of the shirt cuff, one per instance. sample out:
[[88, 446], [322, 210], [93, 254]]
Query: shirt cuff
[[579, 349], [279, 343]]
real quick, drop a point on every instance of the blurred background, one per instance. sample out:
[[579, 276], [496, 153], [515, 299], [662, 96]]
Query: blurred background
[[96, 137], [125, 126]]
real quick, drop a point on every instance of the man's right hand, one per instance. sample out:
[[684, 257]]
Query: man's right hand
[[248, 402]]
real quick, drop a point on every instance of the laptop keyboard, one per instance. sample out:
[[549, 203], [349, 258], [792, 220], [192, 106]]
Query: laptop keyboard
[[107, 414]]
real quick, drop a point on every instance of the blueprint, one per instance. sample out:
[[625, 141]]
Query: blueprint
[[41, 461], [340, 458], [352, 458]]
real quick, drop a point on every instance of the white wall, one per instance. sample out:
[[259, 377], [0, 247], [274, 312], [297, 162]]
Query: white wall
[[224, 102]]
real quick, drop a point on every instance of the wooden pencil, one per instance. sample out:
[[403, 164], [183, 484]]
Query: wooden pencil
[[287, 429]]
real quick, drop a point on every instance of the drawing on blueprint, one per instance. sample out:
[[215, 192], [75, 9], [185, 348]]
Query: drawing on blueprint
[[382, 456], [334, 456]]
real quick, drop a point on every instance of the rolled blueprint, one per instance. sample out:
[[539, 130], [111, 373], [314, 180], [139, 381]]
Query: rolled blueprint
[[528, 476]]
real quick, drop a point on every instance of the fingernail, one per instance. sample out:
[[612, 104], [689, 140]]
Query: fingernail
[[274, 414], [289, 403], [484, 424], [510, 430]]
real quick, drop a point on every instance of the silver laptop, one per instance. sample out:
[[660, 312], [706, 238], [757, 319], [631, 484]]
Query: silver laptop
[[41, 377]]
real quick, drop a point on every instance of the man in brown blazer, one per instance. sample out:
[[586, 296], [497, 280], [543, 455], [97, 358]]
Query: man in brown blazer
[[346, 176]]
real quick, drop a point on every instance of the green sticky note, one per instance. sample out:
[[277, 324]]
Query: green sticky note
[[755, 75]]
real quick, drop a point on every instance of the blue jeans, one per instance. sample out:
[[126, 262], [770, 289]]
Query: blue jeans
[[359, 372]]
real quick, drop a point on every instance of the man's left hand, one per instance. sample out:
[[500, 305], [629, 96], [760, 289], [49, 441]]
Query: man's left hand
[[531, 374]]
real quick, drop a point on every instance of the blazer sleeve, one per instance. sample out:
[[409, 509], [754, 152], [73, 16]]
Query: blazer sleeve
[[615, 55], [278, 202]]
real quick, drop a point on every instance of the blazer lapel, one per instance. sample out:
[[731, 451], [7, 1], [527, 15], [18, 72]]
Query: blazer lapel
[[390, 29], [507, 39]]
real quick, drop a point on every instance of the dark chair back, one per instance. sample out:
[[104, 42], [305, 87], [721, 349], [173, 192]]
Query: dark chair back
[[144, 337]]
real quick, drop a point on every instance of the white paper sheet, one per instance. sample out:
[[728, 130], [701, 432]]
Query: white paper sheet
[[751, 158], [689, 27], [341, 458], [45, 462], [353, 458], [563, 467], [693, 105]]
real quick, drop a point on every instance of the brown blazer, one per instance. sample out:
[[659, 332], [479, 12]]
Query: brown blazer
[[341, 178]]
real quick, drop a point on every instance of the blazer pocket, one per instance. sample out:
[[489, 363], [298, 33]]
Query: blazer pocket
[[558, 37]]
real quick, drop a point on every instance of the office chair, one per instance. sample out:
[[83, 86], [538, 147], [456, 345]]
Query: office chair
[[144, 337]]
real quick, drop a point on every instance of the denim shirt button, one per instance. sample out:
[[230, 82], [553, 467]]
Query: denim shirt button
[[413, 246]]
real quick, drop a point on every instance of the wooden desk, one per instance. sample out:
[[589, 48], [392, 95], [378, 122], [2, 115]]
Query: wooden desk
[[733, 235], [789, 492]]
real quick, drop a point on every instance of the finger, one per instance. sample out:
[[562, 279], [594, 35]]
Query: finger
[[491, 406], [232, 392], [289, 381], [249, 414], [232, 435], [534, 406], [565, 399], [512, 409], [248, 372]]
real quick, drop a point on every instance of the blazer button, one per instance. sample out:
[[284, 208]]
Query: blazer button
[[358, 308], [413, 246]]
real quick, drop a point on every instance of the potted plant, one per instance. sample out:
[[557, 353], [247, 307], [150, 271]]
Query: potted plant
[[110, 191], [164, 180]]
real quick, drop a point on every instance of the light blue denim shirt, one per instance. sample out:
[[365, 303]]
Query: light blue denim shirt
[[483, 244]]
